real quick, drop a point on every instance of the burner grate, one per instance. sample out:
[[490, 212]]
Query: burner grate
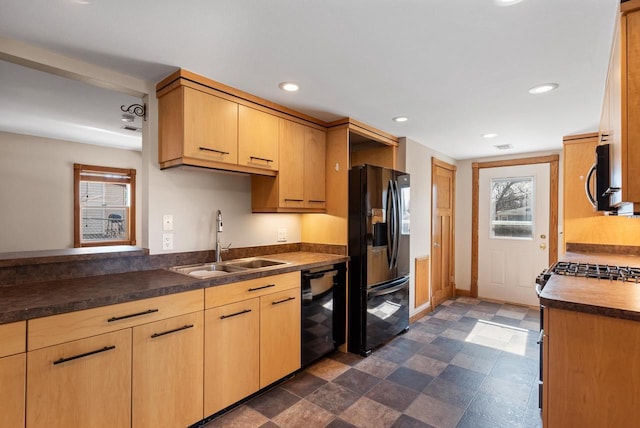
[[592, 270]]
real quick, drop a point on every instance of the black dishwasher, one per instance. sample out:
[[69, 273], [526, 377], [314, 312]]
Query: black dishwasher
[[323, 311]]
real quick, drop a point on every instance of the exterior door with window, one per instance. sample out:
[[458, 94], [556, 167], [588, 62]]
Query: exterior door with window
[[513, 232]]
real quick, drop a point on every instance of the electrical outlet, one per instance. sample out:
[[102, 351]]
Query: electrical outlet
[[167, 241], [282, 235], [167, 222]]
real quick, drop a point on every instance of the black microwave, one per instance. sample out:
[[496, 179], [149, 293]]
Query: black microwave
[[599, 171]]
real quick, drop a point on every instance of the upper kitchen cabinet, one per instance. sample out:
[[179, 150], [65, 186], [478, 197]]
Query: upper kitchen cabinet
[[300, 184], [620, 122], [578, 157], [198, 125], [257, 139], [207, 124]]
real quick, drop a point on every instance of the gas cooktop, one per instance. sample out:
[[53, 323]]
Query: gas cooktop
[[592, 270]]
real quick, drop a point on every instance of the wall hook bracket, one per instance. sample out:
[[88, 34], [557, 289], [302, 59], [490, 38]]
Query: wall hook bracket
[[139, 110]]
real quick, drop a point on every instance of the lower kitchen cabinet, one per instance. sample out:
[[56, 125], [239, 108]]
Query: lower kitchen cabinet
[[279, 335], [232, 354], [84, 383], [12, 374], [167, 372], [591, 370], [252, 337]]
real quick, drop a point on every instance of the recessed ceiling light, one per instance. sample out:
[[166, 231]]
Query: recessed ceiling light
[[289, 86], [82, 1], [541, 89], [506, 2], [400, 119], [490, 135]]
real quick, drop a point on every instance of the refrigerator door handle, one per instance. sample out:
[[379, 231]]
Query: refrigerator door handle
[[389, 220], [396, 223]]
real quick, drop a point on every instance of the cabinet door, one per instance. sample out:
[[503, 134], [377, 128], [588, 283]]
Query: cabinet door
[[314, 168], [167, 372], [210, 127], [232, 354], [292, 158], [85, 383], [579, 155], [12, 390], [257, 138], [279, 335]]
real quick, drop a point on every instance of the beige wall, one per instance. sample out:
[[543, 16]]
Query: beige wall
[[36, 188], [191, 196], [417, 161]]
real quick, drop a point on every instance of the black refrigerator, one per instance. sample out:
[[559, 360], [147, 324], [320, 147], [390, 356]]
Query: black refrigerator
[[379, 256]]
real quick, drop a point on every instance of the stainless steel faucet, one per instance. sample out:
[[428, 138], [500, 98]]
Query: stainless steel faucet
[[218, 232]]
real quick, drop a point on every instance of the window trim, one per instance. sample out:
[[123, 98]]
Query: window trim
[[103, 174]]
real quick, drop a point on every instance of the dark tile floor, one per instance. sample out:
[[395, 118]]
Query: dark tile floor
[[470, 363]]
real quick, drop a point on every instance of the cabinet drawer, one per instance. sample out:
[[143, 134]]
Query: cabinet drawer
[[12, 338], [225, 294], [62, 328]]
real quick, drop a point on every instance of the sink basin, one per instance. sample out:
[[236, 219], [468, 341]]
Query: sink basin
[[254, 263], [209, 270], [206, 270]]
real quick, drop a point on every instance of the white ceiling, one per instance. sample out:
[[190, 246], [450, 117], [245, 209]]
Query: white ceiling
[[457, 68]]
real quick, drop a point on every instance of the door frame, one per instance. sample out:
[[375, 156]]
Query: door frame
[[553, 161], [452, 250]]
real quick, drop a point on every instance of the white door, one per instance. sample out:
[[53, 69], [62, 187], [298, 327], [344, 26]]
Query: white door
[[513, 231]]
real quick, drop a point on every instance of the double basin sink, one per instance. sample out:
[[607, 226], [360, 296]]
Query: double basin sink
[[208, 270]]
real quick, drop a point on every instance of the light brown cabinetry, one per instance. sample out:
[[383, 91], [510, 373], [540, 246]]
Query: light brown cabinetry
[[80, 369], [12, 374], [300, 184], [252, 331], [167, 372], [199, 126], [591, 370], [279, 335], [194, 124], [620, 120], [83, 383], [578, 157], [232, 343], [257, 138]]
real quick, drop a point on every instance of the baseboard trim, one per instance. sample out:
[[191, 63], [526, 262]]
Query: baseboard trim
[[420, 314], [462, 293]]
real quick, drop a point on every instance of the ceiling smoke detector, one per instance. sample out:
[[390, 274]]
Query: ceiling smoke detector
[[503, 146]]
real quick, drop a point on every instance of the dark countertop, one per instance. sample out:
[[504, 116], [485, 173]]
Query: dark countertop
[[26, 301], [594, 296]]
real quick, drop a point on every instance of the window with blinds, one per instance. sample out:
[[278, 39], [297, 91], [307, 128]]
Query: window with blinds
[[104, 209]]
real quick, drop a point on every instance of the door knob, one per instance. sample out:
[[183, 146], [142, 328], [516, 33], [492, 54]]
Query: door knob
[[435, 244], [543, 246]]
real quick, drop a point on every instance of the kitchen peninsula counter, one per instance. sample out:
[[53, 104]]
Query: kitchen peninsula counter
[[609, 298], [27, 301]]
